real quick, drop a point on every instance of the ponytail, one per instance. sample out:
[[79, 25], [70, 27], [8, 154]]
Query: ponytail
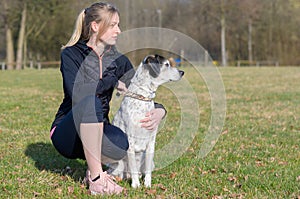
[[77, 30]]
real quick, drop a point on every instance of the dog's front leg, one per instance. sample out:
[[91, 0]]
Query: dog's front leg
[[133, 168], [149, 162]]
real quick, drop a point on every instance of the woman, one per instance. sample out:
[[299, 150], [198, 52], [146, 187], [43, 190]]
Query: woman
[[91, 68]]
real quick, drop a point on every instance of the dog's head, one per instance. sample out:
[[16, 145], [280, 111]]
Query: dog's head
[[161, 69]]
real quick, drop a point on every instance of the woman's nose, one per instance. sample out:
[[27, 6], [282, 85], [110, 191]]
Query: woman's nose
[[118, 30]]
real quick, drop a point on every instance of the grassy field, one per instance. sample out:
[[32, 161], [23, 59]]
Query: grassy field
[[257, 155]]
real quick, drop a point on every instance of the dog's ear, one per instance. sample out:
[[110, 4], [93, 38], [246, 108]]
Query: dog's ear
[[152, 64], [160, 58]]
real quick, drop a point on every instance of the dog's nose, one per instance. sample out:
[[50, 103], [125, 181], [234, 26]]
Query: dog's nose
[[181, 73]]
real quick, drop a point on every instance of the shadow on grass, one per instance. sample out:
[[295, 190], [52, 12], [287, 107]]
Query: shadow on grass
[[47, 158]]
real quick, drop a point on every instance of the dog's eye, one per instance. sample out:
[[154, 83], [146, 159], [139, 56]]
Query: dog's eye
[[167, 64]]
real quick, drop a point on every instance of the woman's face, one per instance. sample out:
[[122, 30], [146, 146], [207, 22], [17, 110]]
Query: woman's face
[[111, 35]]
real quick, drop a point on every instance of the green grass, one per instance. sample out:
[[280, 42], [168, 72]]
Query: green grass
[[257, 155]]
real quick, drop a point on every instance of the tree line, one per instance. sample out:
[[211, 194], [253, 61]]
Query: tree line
[[230, 30]]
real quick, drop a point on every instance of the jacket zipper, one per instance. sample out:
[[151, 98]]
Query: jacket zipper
[[100, 60]]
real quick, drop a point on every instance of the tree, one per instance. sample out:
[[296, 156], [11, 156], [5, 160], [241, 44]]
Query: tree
[[250, 12], [223, 33], [21, 39], [8, 21]]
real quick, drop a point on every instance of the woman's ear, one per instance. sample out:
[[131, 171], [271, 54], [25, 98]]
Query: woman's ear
[[95, 26]]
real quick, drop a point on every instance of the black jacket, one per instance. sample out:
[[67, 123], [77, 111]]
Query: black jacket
[[81, 76]]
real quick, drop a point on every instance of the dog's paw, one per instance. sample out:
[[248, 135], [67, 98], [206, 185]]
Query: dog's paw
[[135, 184], [147, 181]]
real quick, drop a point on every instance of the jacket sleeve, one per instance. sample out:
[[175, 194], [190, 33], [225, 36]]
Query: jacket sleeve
[[125, 70], [69, 68]]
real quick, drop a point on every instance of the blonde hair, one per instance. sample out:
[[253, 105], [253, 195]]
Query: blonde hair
[[101, 13]]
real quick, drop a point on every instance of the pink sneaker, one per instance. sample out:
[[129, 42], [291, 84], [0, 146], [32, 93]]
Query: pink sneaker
[[104, 185]]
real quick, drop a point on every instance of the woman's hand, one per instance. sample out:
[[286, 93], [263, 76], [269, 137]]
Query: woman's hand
[[122, 89], [153, 118]]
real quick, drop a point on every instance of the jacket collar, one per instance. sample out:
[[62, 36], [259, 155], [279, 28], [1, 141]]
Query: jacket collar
[[81, 44]]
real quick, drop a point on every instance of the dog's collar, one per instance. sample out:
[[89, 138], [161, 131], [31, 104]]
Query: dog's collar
[[137, 96]]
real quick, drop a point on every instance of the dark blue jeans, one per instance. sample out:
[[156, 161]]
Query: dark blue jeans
[[66, 139]]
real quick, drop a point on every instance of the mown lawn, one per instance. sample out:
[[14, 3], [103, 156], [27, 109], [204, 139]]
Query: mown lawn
[[256, 156]]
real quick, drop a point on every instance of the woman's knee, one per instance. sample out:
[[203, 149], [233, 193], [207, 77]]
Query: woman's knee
[[115, 143]]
